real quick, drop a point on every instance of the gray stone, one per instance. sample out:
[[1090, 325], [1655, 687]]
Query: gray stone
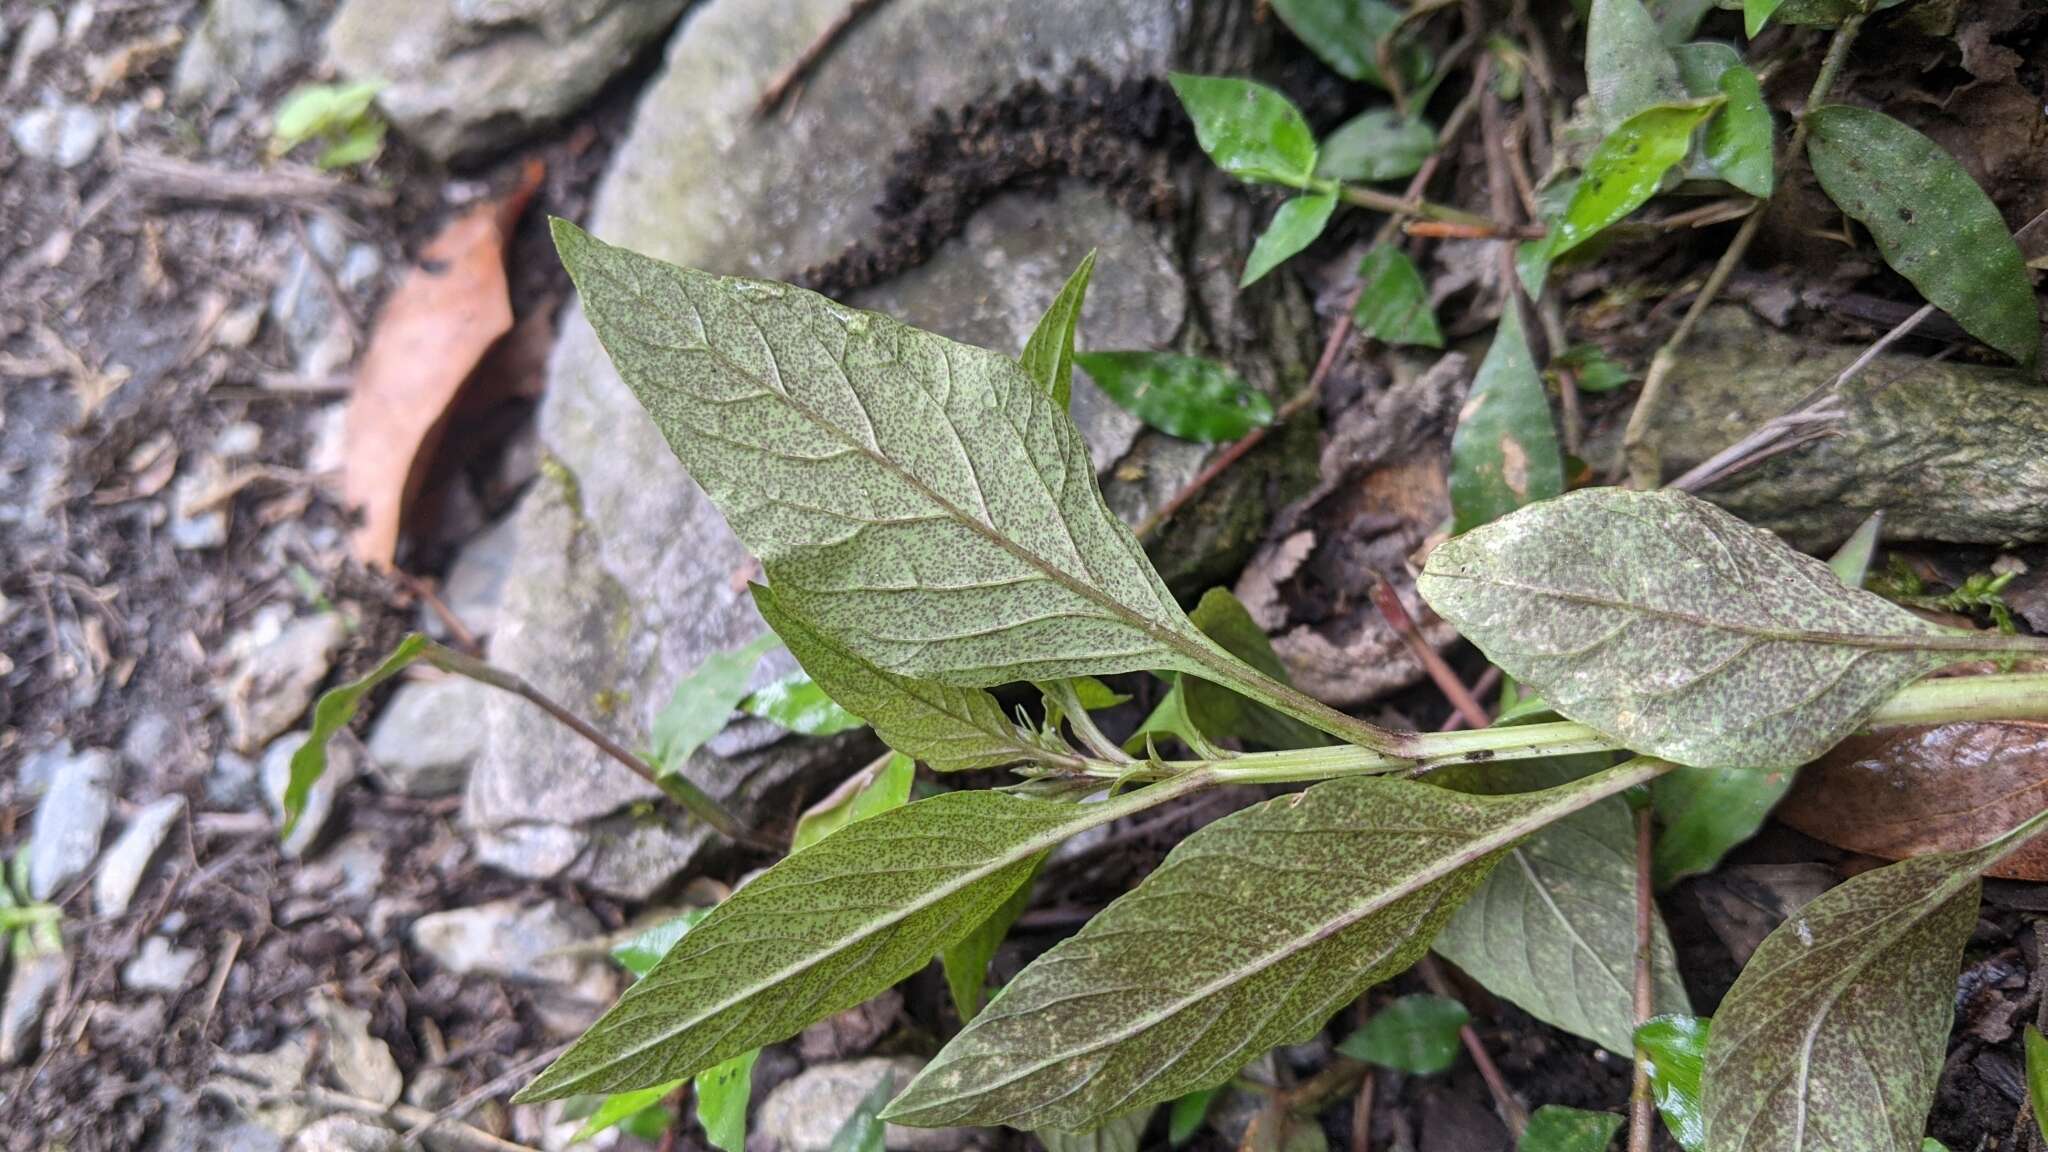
[[804, 1113], [37, 37], [65, 834], [154, 743], [32, 982], [127, 862], [343, 764], [509, 940], [192, 528], [278, 662], [345, 1133], [467, 76], [476, 580], [626, 576], [239, 45], [303, 306], [362, 1064], [231, 784], [62, 134], [535, 850], [262, 1085], [352, 870], [159, 967], [428, 736]]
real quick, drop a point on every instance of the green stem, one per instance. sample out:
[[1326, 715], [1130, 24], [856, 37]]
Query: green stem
[[1377, 201]]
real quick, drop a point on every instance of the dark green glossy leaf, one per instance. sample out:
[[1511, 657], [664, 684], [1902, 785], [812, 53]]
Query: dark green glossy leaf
[[1673, 1048], [1185, 396], [1628, 67], [1553, 1128], [1707, 811], [1187, 1116], [1294, 227], [1628, 168], [824, 930], [1931, 222], [1254, 931], [864, 1130], [1832, 1038], [1347, 34], [1678, 630], [1378, 145], [966, 960], [704, 700], [1248, 129], [1415, 1034], [1049, 355], [1504, 453], [869, 792], [722, 1094], [2037, 1077], [335, 708], [1739, 137], [797, 703], [1393, 303]]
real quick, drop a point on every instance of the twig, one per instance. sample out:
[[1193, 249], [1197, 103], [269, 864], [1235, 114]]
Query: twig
[[1639, 445], [457, 630], [328, 283], [454, 1112], [1469, 223], [1454, 690], [221, 967], [156, 176], [1487, 682], [1641, 1112], [815, 51], [452, 1131], [1510, 1109], [1361, 1113]]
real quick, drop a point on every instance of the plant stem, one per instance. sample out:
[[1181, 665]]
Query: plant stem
[[1640, 1106], [1392, 205], [1639, 445]]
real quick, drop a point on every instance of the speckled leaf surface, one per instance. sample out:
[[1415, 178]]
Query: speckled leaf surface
[[1504, 453], [1049, 354], [824, 930], [1677, 629], [1628, 68], [1251, 934], [1832, 1038], [1553, 927], [951, 729]]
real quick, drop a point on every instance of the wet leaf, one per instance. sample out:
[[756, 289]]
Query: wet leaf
[[1347, 35], [722, 1094], [1832, 1038], [1702, 64], [1931, 222], [1757, 13], [824, 930], [2037, 1077], [1674, 1047], [1504, 453], [864, 1130], [1628, 168], [331, 713], [1627, 66], [1739, 137], [1249, 130], [1294, 227], [1187, 1116], [966, 961], [1378, 145], [1678, 630], [1393, 303], [704, 699], [1252, 933], [869, 792], [797, 703], [1185, 396], [1049, 354], [1553, 1128], [1415, 1034], [1553, 928], [1122, 1134], [1707, 811], [1910, 791]]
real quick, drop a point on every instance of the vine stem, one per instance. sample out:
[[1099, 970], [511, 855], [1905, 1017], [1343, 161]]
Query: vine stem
[[1641, 1110], [1639, 443]]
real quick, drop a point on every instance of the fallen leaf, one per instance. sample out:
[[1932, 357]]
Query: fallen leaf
[[1912, 791], [429, 337]]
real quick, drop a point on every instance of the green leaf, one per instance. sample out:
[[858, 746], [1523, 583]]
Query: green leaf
[[359, 145], [1673, 1048], [869, 792], [620, 1107], [1249, 130], [1832, 1038], [966, 960], [1504, 453], [1628, 67], [722, 1095], [951, 729], [1185, 396], [1757, 13], [798, 703], [1739, 138], [1628, 168], [1094, 695], [642, 952], [312, 111], [1415, 1034], [1378, 145], [1678, 630], [1702, 64], [1593, 370], [1851, 562], [1049, 354], [1187, 1116], [1393, 303], [1814, 13], [1678, 20], [1553, 928], [1931, 222], [1553, 1128], [1347, 35], [922, 501], [1707, 811], [1250, 935], [335, 708], [1294, 227], [1219, 712], [704, 699], [864, 1130], [1122, 1134], [824, 930], [2037, 1076]]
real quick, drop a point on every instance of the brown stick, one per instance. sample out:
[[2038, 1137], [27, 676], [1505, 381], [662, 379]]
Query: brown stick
[[1361, 1114], [155, 176], [813, 52], [1641, 1110], [328, 284], [1446, 678], [1510, 1109]]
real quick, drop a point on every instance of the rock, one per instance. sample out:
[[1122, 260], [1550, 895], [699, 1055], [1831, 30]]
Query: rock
[[31, 983], [193, 528], [65, 834], [803, 1114], [154, 742], [428, 736], [127, 862], [62, 134], [533, 945], [342, 766], [231, 785], [536, 851], [361, 1063], [303, 306], [346, 1133], [468, 76], [159, 967], [38, 36], [351, 871], [476, 580], [238, 46], [261, 1084], [277, 663], [851, 1032]]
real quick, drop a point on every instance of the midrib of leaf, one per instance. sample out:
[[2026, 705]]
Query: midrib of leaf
[[1571, 929], [1589, 791]]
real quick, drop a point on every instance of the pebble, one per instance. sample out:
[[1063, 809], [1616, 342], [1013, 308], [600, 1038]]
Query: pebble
[[508, 940], [361, 1063], [278, 664], [32, 982], [344, 1133], [62, 134], [38, 36], [194, 529], [428, 736], [65, 834], [159, 967], [231, 785], [342, 767], [804, 1113], [127, 862], [476, 580], [351, 871]]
